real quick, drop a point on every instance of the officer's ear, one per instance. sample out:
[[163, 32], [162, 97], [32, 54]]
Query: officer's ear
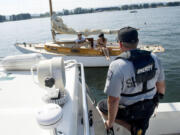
[[120, 44]]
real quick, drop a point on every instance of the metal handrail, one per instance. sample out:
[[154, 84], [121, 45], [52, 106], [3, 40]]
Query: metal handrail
[[84, 102]]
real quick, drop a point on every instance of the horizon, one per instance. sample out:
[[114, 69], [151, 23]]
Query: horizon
[[32, 6]]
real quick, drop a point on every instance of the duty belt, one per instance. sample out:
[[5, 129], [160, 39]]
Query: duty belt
[[138, 93]]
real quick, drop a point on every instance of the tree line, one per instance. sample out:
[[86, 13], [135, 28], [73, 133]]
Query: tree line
[[22, 16], [80, 10]]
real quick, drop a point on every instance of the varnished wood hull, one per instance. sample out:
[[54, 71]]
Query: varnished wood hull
[[113, 51]]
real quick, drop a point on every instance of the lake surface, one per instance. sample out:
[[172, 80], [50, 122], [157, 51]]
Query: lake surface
[[157, 26]]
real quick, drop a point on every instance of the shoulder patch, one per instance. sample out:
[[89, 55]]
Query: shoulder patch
[[110, 74]]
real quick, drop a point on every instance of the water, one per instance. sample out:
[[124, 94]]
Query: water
[[157, 26]]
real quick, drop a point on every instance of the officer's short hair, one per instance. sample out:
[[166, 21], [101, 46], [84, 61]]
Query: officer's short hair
[[128, 36], [130, 45]]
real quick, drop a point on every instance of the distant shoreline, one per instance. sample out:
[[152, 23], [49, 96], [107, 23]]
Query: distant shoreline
[[79, 10]]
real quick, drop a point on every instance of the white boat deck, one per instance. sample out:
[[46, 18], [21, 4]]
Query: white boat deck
[[166, 120], [20, 98]]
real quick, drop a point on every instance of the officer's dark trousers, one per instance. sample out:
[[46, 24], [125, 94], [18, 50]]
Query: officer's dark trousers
[[137, 115]]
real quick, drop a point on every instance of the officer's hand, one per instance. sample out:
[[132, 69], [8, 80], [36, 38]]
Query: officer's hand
[[108, 125], [160, 95], [109, 128]]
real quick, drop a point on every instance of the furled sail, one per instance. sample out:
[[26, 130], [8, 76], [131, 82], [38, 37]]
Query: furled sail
[[61, 28]]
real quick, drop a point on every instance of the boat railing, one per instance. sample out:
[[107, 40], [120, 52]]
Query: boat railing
[[84, 102]]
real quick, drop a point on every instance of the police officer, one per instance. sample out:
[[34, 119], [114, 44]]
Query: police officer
[[134, 83]]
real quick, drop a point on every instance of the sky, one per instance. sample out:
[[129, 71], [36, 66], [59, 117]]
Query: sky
[[8, 7]]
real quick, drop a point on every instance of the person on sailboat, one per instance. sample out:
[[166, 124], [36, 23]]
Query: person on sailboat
[[134, 85], [80, 40], [101, 44]]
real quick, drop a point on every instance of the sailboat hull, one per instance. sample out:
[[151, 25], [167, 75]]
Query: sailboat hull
[[87, 56], [88, 61]]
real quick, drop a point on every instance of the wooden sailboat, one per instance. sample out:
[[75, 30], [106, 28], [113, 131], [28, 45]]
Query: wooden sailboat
[[85, 53]]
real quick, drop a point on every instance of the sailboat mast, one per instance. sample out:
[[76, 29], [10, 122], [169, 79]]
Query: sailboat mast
[[51, 13], [50, 7]]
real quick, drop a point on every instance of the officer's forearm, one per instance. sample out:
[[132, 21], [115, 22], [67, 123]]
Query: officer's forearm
[[113, 103], [161, 87]]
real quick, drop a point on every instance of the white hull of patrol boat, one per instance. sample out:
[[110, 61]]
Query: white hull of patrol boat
[[165, 121], [21, 97]]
